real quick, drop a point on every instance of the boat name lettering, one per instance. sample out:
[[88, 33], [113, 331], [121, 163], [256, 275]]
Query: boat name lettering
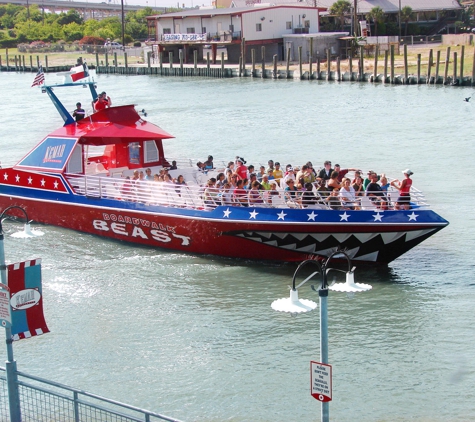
[[53, 153], [137, 222], [158, 235]]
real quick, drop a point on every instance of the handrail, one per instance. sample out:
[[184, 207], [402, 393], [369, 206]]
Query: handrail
[[197, 196]]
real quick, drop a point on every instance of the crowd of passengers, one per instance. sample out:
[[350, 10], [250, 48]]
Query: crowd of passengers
[[241, 185]]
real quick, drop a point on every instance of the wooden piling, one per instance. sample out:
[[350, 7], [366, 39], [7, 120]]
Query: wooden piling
[[0, 62], [437, 64], [107, 61], [116, 64], [350, 66], [243, 54], [180, 55], [392, 64], [31, 63], [253, 62], [8, 64], [462, 55], [310, 59], [274, 73], [300, 62], [429, 66], [338, 69], [149, 59], [126, 62], [240, 66], [208, 63], [97, 59], [23, 62], [37, 62], [375, 69], [447, 61], [16, 63], [318, 68], [46, 63], [222, 64], [329, 58], [195, 60], [406, 68], [454, 80], [418, 81], [160, 61], [361, 77], [263, 64], [287, 70], [170, 59], [473, 69]]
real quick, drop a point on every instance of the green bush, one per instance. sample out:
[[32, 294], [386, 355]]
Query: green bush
[[137, 44]]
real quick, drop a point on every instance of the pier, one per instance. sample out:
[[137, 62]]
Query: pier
[[444, 66]]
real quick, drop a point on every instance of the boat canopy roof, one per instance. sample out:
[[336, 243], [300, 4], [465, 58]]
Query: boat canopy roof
[[113, 125]]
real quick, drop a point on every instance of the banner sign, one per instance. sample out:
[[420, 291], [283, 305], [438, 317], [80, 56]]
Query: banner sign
[[184, 37], [5, 313], [51, 154], [26, 299]]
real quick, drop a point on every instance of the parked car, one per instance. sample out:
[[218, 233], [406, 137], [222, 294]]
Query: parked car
[[113, 45]]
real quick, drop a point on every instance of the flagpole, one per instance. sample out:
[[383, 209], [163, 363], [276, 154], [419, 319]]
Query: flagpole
[[10, 364]]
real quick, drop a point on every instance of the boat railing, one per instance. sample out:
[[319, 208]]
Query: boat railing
[[198, 196]]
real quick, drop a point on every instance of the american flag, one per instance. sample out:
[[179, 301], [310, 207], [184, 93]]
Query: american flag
[[39, 78]]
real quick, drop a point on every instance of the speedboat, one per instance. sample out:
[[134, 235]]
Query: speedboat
[[80, 177]]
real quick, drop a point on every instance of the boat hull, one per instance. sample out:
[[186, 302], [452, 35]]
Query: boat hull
[[236, 232]]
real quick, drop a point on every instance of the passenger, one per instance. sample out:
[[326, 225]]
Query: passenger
[[252, 179], [270, 164], [179, 182], [148, 175], [135, 176], [173, 166], [211, 194], [229, 175], [291, 192], [326, 172], [261, 174], [348, 195], [227, 196], [254, 196], [368, 179], [308, 174], [230, 166], [301, 172], [220, 180], [241, 170], [79, 112], [308, 197], [278, 173], [128, 190], [312, 169], [404, 187], [208, 164], [322, 191], [101, 102], [142, 187], [333, 181], [265, 182], [374, 192], [201, 166], [357, 174], [240, 195], [301, 185], [384, 183], [250, 169], [289, 174], [270, 174], [342, 172], [334, 200], [358, 186]]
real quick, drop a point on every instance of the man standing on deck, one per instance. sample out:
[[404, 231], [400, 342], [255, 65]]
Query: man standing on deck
[[326, 171], [79, 113], [342, 172]]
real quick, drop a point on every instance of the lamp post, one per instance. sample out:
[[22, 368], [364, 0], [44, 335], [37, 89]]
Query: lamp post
[[10, 364], [294, 305]]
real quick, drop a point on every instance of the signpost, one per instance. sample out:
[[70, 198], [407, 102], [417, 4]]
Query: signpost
[[321, 381], [5, 312]]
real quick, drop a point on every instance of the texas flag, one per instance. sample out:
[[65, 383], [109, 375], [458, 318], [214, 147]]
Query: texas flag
[[26, 300], [79, 72]]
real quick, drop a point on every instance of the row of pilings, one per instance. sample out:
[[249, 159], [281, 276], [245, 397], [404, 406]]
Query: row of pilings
[[437, 67]]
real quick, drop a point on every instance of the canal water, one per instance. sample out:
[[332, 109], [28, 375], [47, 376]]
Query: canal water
[[195, 337]]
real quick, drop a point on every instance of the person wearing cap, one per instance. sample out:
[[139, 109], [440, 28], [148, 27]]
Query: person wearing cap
[[278, 173], [289, 175], [342, 172], [404, 187], [326, 172], [79, 113], [368, 178]]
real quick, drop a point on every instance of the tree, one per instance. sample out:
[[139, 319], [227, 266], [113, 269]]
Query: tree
[[341, 8], [406, 15], [377, 15], [70, 17]]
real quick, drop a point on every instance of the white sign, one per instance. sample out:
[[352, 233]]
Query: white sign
[[321, 381], [184, 37], [5, 312]]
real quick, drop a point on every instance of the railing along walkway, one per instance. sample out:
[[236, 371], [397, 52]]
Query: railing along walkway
[[49, 401]]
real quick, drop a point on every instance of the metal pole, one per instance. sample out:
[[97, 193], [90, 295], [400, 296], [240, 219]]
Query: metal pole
[[10, 364], [323, 295]]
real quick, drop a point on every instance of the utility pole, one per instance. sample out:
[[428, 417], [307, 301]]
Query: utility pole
[[355, 18]]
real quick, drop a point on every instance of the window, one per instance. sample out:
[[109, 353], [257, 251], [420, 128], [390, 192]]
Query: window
[[167, 30], [134, 153], [203, 30], [150, 152], [258, 27], [306, 24], [75, 162], [288, 25], [190, 30]]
